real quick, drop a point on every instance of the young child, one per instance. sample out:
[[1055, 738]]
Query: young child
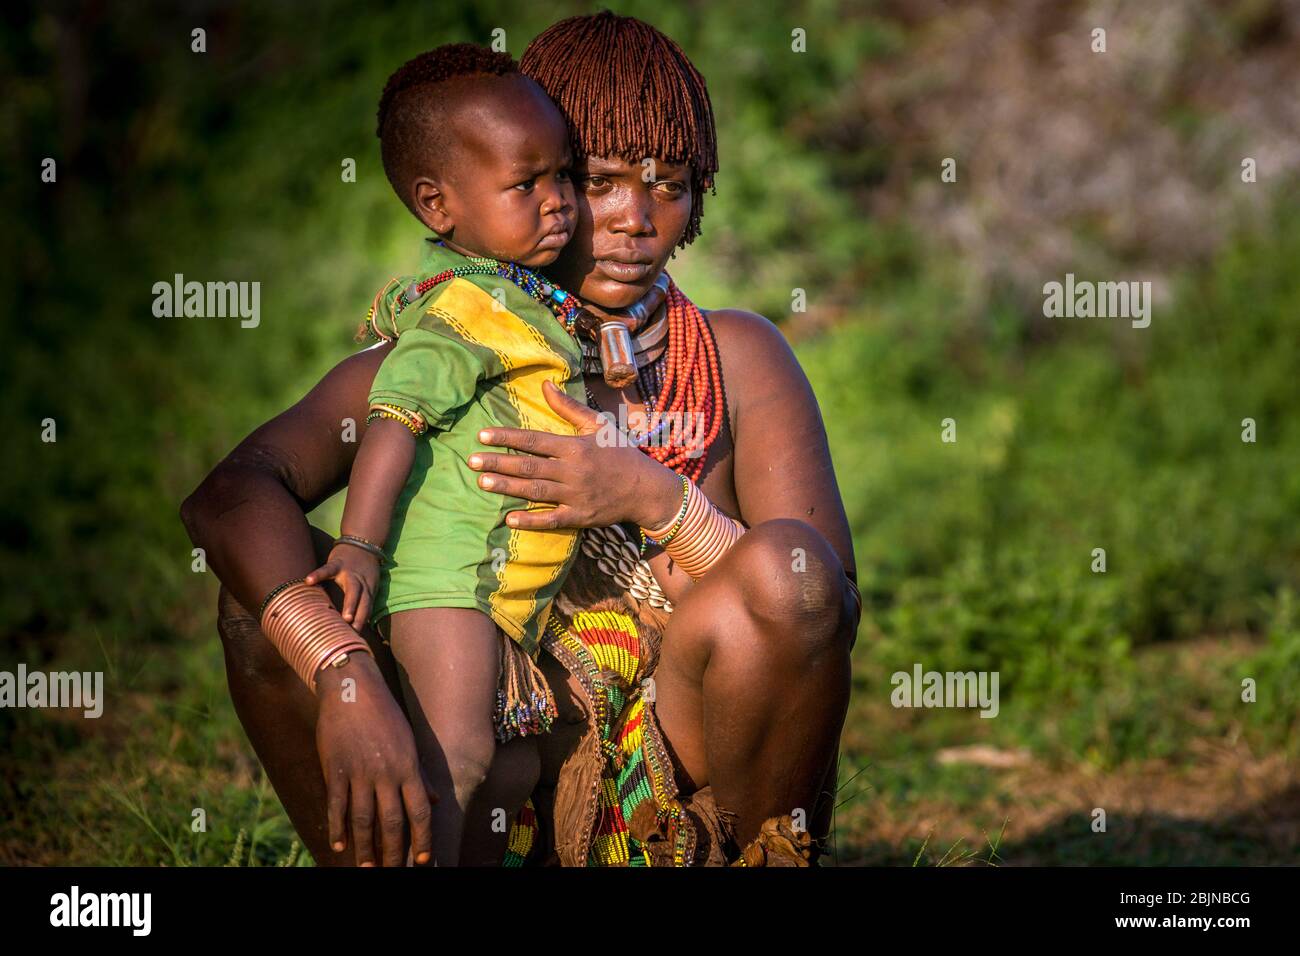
[[480, 155]]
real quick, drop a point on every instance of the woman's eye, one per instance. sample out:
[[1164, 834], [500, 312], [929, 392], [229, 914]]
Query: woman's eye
[[670, 186], [593, 182]]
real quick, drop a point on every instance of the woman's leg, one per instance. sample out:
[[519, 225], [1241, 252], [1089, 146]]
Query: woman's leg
[[278, 713], [449, 659], [753, 681]]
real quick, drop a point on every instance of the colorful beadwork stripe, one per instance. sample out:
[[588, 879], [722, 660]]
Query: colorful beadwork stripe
[[603, 649]]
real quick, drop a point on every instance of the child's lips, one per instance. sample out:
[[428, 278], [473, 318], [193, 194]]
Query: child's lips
[[557, 238]]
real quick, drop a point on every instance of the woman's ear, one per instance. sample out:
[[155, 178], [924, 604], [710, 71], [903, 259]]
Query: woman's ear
[[431, 205]]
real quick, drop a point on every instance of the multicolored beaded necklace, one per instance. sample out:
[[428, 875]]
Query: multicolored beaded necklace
[[564, 306]]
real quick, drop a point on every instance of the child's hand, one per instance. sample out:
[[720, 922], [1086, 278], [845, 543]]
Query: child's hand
[[357, 574]]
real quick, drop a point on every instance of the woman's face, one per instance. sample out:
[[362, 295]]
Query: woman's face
[[630, 217]]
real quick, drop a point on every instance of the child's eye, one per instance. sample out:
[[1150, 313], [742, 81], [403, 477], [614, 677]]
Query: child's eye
[[526, 185], [562, 175]]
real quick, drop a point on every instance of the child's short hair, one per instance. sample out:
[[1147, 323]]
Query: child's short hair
[[410, 123]]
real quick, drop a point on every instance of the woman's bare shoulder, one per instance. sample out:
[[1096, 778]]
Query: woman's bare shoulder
[[342, 392], [352, 376], [740, 322], [367, 359], [759, 368], [751, 347], [741, 330]]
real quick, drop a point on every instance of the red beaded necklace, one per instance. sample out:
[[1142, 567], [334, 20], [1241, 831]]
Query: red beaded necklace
[[692, 399]]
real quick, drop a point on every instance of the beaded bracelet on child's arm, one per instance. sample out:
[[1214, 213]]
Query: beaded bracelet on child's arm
[[413, 420]]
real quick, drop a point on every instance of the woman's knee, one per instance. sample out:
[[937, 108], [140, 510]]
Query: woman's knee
[[792, 580]]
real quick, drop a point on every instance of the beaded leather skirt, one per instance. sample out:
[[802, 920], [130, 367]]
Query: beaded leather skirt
[[609, 793]]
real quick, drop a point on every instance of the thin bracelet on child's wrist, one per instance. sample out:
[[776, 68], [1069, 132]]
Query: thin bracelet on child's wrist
[[368, 546]]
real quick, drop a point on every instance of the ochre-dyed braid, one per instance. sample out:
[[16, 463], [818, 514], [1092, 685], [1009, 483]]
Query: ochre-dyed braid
[[692, 395]]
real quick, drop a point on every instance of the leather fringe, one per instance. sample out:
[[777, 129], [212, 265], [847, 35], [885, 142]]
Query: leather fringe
[[525, 704]]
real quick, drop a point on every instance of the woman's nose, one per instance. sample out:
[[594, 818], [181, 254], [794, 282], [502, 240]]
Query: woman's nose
[[632, 217]]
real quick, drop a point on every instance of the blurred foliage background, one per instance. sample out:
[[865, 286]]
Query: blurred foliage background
[[1121, 689]]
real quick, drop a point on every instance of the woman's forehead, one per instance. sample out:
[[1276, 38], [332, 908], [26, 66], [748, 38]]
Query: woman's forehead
[[616, 164]]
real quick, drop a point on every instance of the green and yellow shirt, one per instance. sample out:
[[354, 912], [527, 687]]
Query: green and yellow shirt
[[472, 353]]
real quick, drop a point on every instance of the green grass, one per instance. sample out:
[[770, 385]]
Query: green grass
[[123, 789], [973, 555]]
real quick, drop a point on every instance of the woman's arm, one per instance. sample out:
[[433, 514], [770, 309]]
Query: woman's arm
[[250, 513], [783, 463]]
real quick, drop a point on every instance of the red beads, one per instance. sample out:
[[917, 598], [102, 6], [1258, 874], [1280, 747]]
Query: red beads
[[692, 397]]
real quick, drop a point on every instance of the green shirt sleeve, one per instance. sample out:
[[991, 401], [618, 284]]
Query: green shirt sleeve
[[428, 372]]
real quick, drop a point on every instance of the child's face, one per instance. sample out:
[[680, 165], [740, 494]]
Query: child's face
[[505, 192]]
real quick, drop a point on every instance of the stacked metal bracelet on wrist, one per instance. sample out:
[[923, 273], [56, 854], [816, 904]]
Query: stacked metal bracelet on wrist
[[675, 525], [699, 535], [306, 629], [274, 591]]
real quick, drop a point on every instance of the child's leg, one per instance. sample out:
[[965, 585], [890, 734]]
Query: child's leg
[[511, 781], [449, 660]]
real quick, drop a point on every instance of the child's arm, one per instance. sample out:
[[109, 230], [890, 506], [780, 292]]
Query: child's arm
[[383, 463], [430, 373]]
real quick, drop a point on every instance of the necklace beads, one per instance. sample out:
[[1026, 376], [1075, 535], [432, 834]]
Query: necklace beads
[[682, 390], [562, 305]]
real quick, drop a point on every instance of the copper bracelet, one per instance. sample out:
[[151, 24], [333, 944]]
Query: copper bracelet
[[307, 630], [701, 534]]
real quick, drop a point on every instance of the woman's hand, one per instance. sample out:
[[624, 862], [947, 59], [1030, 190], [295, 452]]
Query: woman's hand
[[595, 478], [372, 768]]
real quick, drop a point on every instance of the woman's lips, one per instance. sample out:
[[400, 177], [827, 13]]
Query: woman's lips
[[623, 271]]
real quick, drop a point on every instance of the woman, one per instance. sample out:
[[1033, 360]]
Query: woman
[[729, 753]]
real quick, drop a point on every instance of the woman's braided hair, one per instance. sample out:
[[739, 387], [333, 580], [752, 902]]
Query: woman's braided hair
[[628, 91]]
